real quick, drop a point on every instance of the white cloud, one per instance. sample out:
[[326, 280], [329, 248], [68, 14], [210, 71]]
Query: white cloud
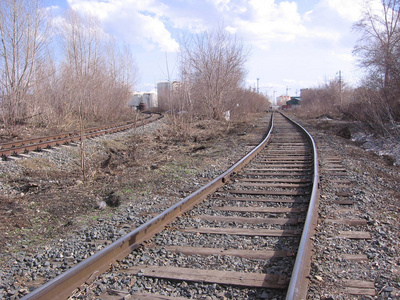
[[293, 42], [344, 56], [266, 22], [348, 9], [194, 16], [231, 30], [286, 80], [307, 16], [194, 25], [221, 4], [135, 21]]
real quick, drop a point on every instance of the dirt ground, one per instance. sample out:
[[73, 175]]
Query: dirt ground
[[45, 196]]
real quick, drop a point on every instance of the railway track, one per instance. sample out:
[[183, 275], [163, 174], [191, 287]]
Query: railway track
[[244, 235], [21, 147]]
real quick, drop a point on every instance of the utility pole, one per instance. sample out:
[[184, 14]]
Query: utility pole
[[340, 87], [287, 89], [258, 90]]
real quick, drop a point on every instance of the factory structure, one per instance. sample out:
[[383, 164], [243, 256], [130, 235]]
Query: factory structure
[[143, 100], [159, 98], [167, 92], [167, 98]]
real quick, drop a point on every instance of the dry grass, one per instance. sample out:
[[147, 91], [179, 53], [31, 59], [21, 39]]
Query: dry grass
[[133, 167]]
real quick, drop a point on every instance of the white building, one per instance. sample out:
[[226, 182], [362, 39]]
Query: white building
[[149, 99], [282, 100], [166, 91]]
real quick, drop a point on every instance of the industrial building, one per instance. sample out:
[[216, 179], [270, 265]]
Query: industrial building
[[166, 92], [144, 100]]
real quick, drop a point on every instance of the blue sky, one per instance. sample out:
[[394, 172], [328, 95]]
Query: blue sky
[[293, 44]]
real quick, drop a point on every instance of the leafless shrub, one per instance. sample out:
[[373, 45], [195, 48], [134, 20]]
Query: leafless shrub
[[23, 34], [366, 104], [378, 53], [378, 47], [212, 66], [212, 74], [93, 81], [371, 108], [327, 99], [94, 77], [246, 102]]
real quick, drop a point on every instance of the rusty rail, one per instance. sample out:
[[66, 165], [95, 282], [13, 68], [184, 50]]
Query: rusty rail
[[299, 281], [62, 286], [17, 147]]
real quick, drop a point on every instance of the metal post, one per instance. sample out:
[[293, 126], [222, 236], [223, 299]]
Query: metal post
[[258, 90]]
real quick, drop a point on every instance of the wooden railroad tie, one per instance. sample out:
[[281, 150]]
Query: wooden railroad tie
[[249, 254], [358, 287], [243, 231], [229, 219], [211, 276]]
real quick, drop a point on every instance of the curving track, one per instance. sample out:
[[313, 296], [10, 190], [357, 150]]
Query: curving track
[[250, 238], [15, 148]]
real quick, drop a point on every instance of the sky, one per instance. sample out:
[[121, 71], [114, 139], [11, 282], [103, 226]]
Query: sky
[[292, 44]]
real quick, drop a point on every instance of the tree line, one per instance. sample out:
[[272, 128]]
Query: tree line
[[56, 74], [212, 72], [376, 101]]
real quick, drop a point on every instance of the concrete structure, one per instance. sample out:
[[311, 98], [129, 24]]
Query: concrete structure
[[148, 99], [166, 91], [282, 100], [294, 101]]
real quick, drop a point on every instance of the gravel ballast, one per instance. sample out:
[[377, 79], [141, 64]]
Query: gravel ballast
[[28, 262]]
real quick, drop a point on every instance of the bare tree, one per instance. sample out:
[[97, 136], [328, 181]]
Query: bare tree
[[380, 40], [44, 105], [97, 76], [23, 32], [92, 83], [327, 98], [247, 102], [122, 75], [81, 40], [213, 66], [378, 50]]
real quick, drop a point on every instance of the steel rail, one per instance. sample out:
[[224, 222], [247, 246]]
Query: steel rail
[[15, 144], [298, 286], [63, 285], [17, 147]]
